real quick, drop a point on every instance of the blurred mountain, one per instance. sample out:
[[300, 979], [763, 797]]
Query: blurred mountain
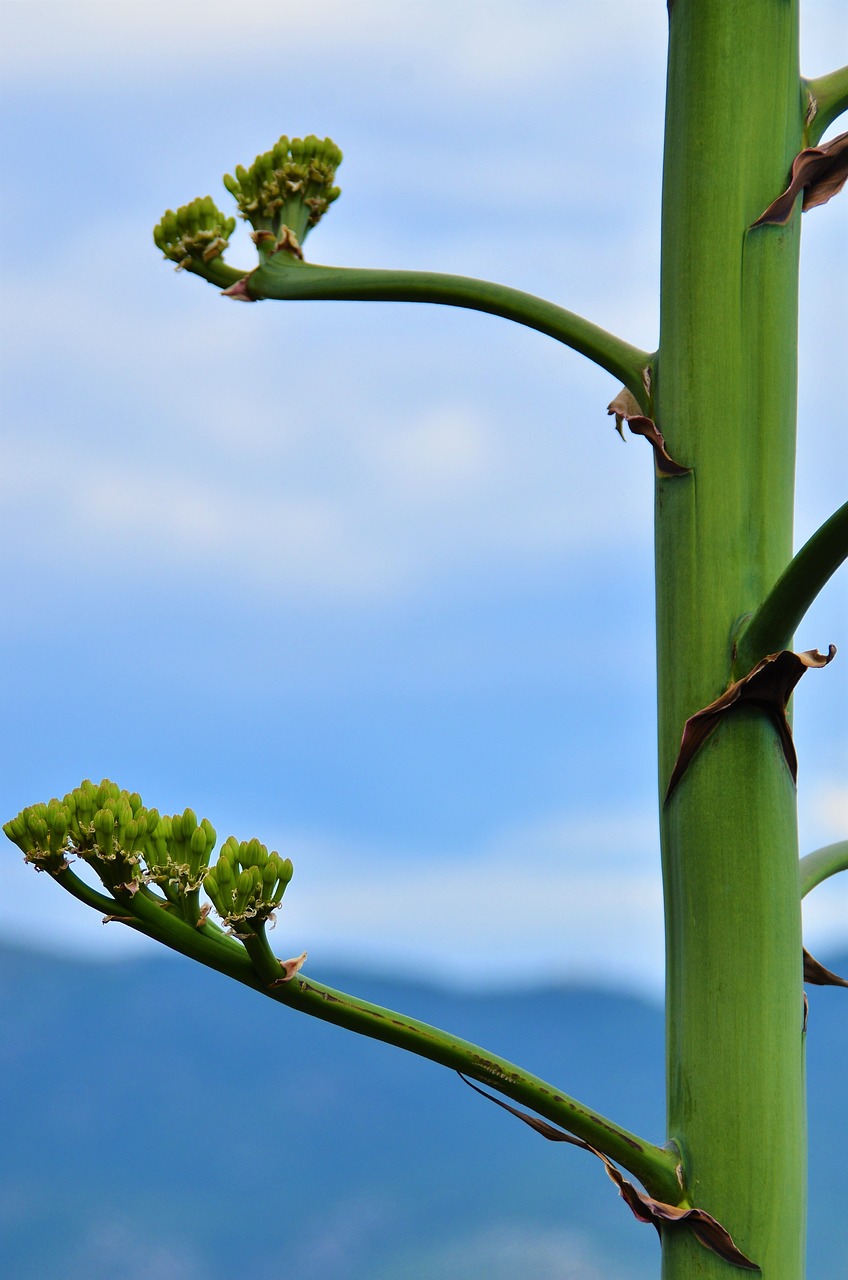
[[161, 1123]]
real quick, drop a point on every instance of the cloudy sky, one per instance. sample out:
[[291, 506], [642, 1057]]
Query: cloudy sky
[[323, 571]]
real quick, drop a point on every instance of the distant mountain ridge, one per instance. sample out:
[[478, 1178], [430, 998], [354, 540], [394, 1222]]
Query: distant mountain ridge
[[165, 1124]]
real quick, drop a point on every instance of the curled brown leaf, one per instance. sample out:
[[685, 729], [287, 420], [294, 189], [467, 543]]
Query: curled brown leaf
[[818, 976], [820, 172], [645, 1208], [290, 968], [625, 407], [239, 290], [768, 686]]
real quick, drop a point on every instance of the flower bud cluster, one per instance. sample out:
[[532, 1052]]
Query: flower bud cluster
[[195, 234], [41, 833], [287, 190], [177, 854], [247, 883], [134, 850], [103, 825]]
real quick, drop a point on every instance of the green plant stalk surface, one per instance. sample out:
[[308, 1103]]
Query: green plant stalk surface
[[726, 403]]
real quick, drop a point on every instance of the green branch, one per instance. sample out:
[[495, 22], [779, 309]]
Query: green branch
[[654, 1166], [285, 277], [822, 864], [771, 628], [828, 97]]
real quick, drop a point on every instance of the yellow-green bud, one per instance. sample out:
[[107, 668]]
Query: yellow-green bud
[[194, 234], [104, 827]]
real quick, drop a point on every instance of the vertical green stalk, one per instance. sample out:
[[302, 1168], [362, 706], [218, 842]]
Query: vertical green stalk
[[726, 390]]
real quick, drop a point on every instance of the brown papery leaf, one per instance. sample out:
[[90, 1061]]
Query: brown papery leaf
[[703, 1225], [818, 976], [290, 968], [820, 172], [768, 686], [239, 290], [625, 407]]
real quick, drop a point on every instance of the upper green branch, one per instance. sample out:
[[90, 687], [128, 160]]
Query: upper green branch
[[827, 98], [286, 192], [153, 868], [283, 276], [772, 626]]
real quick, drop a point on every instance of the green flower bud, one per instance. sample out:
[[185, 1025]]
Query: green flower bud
[[107, 791], [58, 825], [244, 890], [104, 828], [199, 850], [213, 892], [39, 832], [123, 817], [18, 832]]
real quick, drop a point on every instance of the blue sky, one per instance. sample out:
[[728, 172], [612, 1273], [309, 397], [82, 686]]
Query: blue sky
[[340, 575]]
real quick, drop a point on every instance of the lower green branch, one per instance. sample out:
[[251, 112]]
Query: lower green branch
[[822, 864], [656, 1167], [828, 98], [772, 626], [286, 277]]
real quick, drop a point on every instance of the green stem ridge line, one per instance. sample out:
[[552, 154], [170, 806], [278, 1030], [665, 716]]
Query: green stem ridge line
[[284, 277], [830, 94], [822, 864], [773, 624], [656, 1167]]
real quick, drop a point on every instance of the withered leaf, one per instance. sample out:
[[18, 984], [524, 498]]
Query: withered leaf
[[818, 976], [239, 290], [768, 686], [290, 968], [703, 1225], [820, 172], [626, 409]]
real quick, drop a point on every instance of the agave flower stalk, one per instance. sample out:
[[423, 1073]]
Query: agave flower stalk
[[744, 155]]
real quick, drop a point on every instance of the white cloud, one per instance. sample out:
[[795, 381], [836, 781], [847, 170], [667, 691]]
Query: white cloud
[[564, 897], [290, 477], [831, 804], [489, 42]]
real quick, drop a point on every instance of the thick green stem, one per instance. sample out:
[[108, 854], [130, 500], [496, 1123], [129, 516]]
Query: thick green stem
[[822, 864], [827, 98], [655, 1167], [773, 625], [287, 278], [725, 399]]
